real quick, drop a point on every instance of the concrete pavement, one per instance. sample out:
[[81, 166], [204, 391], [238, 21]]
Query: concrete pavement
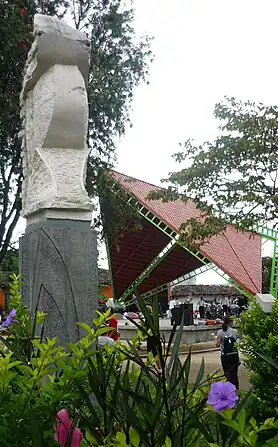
[[213, 364]]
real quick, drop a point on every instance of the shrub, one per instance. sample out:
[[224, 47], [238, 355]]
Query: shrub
[[259, 345], [37, 377], [112, 396]]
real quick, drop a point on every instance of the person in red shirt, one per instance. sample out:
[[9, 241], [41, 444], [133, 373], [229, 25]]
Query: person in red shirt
[[113, 323]]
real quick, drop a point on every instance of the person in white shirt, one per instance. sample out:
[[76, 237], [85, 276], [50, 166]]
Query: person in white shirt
[[225, 304], [172, 303], [201, 305]]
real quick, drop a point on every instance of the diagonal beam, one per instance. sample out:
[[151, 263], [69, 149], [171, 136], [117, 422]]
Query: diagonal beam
[[177, 281], [154, 263], [167, 229]]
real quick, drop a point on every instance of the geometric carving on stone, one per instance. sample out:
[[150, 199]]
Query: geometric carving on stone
[[54, 111]]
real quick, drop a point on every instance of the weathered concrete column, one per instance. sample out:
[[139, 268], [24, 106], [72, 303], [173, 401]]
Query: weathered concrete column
[[58, 260], [58, 253]]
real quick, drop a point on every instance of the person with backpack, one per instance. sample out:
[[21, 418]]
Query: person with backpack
[[226, 339]]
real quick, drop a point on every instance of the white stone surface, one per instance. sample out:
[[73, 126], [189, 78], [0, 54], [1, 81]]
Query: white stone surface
[[265, 301], [54, 111]]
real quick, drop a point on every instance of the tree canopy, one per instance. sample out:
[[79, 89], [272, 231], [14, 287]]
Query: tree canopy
[[119, 62], [234, 178]]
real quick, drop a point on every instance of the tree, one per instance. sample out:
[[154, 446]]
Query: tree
[[234, 178], [119, 62]]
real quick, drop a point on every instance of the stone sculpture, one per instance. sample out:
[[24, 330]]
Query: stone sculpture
[[54, 109], [58, 252]]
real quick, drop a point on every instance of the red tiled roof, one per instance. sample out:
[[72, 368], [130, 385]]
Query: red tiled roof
[[236, 253]]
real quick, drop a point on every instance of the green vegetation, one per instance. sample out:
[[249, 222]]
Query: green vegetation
[[234, 178], [259, 344], [112, 396]]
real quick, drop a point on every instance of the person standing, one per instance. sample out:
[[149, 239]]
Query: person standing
[[154, 345], [201, 304], [225, 304], [172, 303], [226, 339], [113, 324]]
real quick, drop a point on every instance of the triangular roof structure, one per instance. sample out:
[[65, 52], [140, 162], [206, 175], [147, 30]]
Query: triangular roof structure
[[236, 253]]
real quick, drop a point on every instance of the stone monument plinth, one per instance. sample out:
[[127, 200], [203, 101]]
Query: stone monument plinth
[[265, 300], [58, 253]]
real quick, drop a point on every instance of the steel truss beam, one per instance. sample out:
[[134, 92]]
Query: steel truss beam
[[271, 235], [267, 233], [155, 220], [177, 281], [154, 263]]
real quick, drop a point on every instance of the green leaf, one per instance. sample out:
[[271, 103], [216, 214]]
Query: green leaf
[[168, 442], [134, 437], [200, 374], [253, 424], [176, 346], [241, 420], [86, 327], [156, 315], [232, 424]]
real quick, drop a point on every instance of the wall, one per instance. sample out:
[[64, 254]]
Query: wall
[[190, 334]]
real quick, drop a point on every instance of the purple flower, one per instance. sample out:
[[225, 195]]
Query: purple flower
[[10, 318], [222, 396]]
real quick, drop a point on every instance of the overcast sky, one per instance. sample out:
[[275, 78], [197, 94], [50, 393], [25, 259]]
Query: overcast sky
[[204, 50]]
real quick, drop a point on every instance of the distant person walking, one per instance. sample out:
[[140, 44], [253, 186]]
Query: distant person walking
[[225, 304], [226, 339], [201, 305]]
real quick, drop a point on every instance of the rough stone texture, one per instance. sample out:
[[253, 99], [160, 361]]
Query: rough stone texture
[[58, 261], [54, 111]]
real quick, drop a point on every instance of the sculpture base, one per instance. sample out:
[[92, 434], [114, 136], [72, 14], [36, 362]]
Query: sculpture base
[[58, 263], [59, 215]]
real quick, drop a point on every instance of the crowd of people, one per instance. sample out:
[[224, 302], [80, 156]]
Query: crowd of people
[[212, 310], [216, 309]]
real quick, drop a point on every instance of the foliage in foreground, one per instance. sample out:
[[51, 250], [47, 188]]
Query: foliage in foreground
[[259, 344], [112, 395], [234, 178]]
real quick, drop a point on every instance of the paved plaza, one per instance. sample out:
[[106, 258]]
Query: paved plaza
[[212, 364]]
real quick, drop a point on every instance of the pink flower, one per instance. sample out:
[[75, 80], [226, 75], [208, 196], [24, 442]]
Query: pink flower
[[65, 430]]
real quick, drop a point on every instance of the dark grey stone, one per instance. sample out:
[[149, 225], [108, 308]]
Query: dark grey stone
[[58, 263]]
